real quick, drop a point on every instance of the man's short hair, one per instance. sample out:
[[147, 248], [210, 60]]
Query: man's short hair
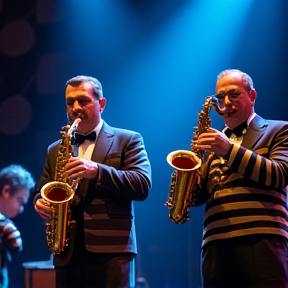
[[16, 177], [97, 87]]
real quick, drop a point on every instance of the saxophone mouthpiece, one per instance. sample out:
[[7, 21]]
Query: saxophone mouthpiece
[[78, 121], [74, 126]]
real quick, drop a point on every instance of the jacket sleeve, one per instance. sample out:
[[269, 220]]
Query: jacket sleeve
[[10, 238], [267, 165]]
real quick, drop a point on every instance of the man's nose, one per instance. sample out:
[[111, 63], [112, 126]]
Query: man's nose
[[227, 100], [76, 106]]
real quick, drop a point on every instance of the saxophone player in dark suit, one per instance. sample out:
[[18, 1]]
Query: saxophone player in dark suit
[[115, 171], [245, 229]]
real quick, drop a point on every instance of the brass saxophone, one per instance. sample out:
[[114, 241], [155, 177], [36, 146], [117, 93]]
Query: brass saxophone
[[59, 195], [187, 175]]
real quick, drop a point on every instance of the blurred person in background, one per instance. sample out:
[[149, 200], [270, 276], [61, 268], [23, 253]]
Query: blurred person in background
[[15, 185]]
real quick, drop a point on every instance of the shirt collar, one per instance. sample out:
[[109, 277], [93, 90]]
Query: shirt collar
[[251, 117], [98, 127]]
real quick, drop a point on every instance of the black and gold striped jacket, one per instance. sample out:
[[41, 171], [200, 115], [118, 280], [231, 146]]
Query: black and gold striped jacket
[[246, 193]]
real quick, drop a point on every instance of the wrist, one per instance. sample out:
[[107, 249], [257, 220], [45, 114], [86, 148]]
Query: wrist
[[226, 156]]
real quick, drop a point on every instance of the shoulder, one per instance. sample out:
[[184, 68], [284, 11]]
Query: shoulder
[[279, 127], [4, 221], [119, 131], [277, 122], [8, 226], [260, 122], [54, 145], [2, 224], [2, 217]]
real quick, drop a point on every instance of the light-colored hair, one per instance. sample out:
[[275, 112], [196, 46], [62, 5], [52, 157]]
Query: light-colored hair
[[247, 80]]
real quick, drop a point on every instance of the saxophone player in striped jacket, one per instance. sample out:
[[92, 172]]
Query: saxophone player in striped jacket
[[245, 230]]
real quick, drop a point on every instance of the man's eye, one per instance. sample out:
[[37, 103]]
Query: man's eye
[[234, 95], [70, 103], [220, 96], [83, 101]]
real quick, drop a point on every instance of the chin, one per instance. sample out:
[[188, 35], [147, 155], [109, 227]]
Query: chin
[[230, 123]]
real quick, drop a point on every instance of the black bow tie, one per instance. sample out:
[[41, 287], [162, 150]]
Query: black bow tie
[[80, 138], [238, 131]]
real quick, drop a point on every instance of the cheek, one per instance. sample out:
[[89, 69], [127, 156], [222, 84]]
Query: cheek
[[16, 208], [246, 107], [93, 111], [13, 211]]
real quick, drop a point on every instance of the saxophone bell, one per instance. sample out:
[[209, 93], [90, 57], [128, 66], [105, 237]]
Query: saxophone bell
[[189, 171], [58, 195], [185, 163]]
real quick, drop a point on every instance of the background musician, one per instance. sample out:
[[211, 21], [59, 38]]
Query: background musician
[[15, 185]]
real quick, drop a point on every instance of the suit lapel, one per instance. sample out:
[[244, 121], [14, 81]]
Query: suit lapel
[[255, 131], [103, 143], [102, 146]]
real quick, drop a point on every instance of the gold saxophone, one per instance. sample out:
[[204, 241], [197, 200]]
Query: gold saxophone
[[187, 164], [59, 195]]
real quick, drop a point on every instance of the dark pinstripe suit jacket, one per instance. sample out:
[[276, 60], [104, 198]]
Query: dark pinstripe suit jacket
[[124, 176]]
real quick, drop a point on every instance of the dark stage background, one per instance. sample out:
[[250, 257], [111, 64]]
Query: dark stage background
[[157, 61]]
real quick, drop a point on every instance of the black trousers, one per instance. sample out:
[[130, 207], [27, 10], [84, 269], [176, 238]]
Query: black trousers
[[92, 270], [244, 262], [95, 270]]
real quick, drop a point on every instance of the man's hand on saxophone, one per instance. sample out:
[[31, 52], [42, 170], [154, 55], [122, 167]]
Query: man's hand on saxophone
[[81, 168], [212, 141], [75, 168], [44, 209]]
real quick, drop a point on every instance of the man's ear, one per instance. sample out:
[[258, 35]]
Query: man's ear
[[102, 102], [253, 95], [6, 191]]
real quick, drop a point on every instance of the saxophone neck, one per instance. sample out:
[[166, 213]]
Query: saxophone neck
[[215, 104]]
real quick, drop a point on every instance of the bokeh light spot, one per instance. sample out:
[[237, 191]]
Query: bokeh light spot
[[15, 115], [16, 38], [50, 73]]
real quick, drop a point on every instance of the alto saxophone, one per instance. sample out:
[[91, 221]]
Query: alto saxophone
[[59, 195], [187, 175]]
